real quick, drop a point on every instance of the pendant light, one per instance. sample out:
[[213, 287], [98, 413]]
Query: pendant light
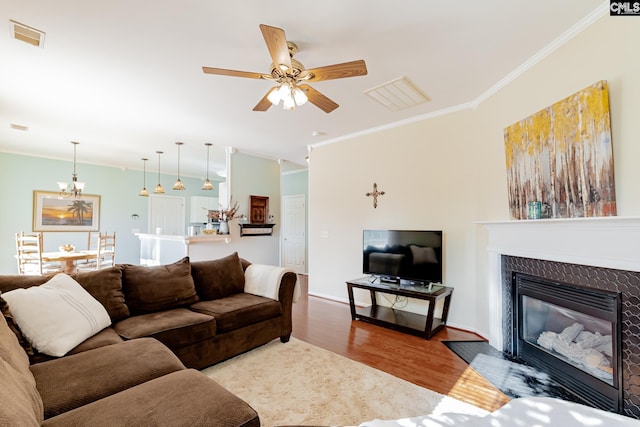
[[207, 184], [144, 191], [75, 188], [159, 189], [178, 184]]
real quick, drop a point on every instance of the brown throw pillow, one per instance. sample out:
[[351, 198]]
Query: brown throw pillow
[[105, 285], [148, 289], [218, 278]]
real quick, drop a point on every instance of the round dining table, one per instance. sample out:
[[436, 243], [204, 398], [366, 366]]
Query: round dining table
[[68, 259]]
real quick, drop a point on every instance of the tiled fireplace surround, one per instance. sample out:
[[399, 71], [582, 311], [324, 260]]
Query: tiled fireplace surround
[[602, 253]]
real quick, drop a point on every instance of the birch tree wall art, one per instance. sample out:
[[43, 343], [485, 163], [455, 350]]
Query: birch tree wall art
[[562, 157]]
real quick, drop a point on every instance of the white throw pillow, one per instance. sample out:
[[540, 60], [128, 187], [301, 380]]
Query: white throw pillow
[[58, 315]]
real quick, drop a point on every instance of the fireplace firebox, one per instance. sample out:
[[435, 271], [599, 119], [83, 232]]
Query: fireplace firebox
[[573, 334]]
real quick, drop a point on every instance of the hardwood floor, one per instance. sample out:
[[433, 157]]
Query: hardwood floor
[[427, 363]]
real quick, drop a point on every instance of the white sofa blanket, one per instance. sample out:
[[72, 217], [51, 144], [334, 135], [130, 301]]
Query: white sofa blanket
[[264, 280]]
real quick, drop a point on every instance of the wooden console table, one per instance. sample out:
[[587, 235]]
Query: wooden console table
[[415, 324]]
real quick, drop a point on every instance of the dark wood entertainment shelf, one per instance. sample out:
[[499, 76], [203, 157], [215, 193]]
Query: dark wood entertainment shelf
[[412, 323]]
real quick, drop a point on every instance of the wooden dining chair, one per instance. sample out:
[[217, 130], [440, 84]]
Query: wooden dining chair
[[104, 246], [29, 255], [93, 237]]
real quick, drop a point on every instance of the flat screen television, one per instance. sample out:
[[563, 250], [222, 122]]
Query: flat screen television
[[403, 255]]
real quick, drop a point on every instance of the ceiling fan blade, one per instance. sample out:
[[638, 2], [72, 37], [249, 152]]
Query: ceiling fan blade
[[277, 44], [264, 103], [336, 71], [318, 99], [234, 73]]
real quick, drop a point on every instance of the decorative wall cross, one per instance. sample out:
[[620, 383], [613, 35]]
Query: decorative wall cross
[[375, 193]]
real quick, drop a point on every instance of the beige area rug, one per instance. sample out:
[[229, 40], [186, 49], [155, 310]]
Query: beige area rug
[[298, 383]]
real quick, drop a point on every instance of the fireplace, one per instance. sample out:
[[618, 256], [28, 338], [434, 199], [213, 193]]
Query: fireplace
[[572, 333], [600, 254]]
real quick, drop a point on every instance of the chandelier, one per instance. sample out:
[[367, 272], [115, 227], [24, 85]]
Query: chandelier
[[74, 188]]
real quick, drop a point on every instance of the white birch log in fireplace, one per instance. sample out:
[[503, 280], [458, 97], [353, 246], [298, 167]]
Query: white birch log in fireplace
[[580, 347]]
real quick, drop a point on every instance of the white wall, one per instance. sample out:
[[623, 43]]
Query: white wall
[[255, 176], [449, 171]]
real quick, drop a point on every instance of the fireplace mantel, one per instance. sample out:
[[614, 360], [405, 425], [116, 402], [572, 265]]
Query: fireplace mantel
[[612, 242]]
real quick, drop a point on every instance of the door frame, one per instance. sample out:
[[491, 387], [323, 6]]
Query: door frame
[[306, 230]]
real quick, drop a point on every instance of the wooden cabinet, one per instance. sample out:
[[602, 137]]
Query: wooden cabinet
[[259, 209], [200, 207]]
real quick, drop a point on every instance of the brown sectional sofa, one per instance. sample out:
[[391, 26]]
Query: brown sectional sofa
[[165, 320]]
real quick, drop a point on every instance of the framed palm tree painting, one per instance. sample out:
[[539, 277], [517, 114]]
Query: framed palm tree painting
[[51, 212]]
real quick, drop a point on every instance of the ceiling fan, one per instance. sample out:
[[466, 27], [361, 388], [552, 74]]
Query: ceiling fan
[[291, 76]]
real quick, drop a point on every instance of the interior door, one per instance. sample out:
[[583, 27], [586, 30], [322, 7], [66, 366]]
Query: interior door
[[167, 215], [294, 245]]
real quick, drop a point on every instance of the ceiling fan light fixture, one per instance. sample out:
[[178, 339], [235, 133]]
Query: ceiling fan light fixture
[[284, 91], [274, 96], [288, 103], [299, 96]]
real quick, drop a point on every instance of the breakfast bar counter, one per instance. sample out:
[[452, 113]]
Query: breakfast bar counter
[[160, 249]]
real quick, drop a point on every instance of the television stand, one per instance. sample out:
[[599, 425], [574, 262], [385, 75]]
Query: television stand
[[403, 321]]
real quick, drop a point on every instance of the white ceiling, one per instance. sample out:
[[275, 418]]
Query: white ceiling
[[124, 78]]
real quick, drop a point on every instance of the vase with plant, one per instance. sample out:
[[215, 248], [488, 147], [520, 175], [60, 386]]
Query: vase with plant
[[224, 215]]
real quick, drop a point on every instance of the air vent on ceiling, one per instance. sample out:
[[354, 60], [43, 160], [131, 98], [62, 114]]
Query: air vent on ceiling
[[18, 127], [398, 94], [26, 34]]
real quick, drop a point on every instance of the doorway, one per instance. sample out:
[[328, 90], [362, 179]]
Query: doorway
[[294, 234]]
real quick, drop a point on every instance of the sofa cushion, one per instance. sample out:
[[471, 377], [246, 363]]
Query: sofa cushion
[[58, 315], [10, 282], [20, 402], [239, 310], [105, 285], [218, 278], [183, 398], [157, 288], [76, 380], [174, 328], [107, 336]]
